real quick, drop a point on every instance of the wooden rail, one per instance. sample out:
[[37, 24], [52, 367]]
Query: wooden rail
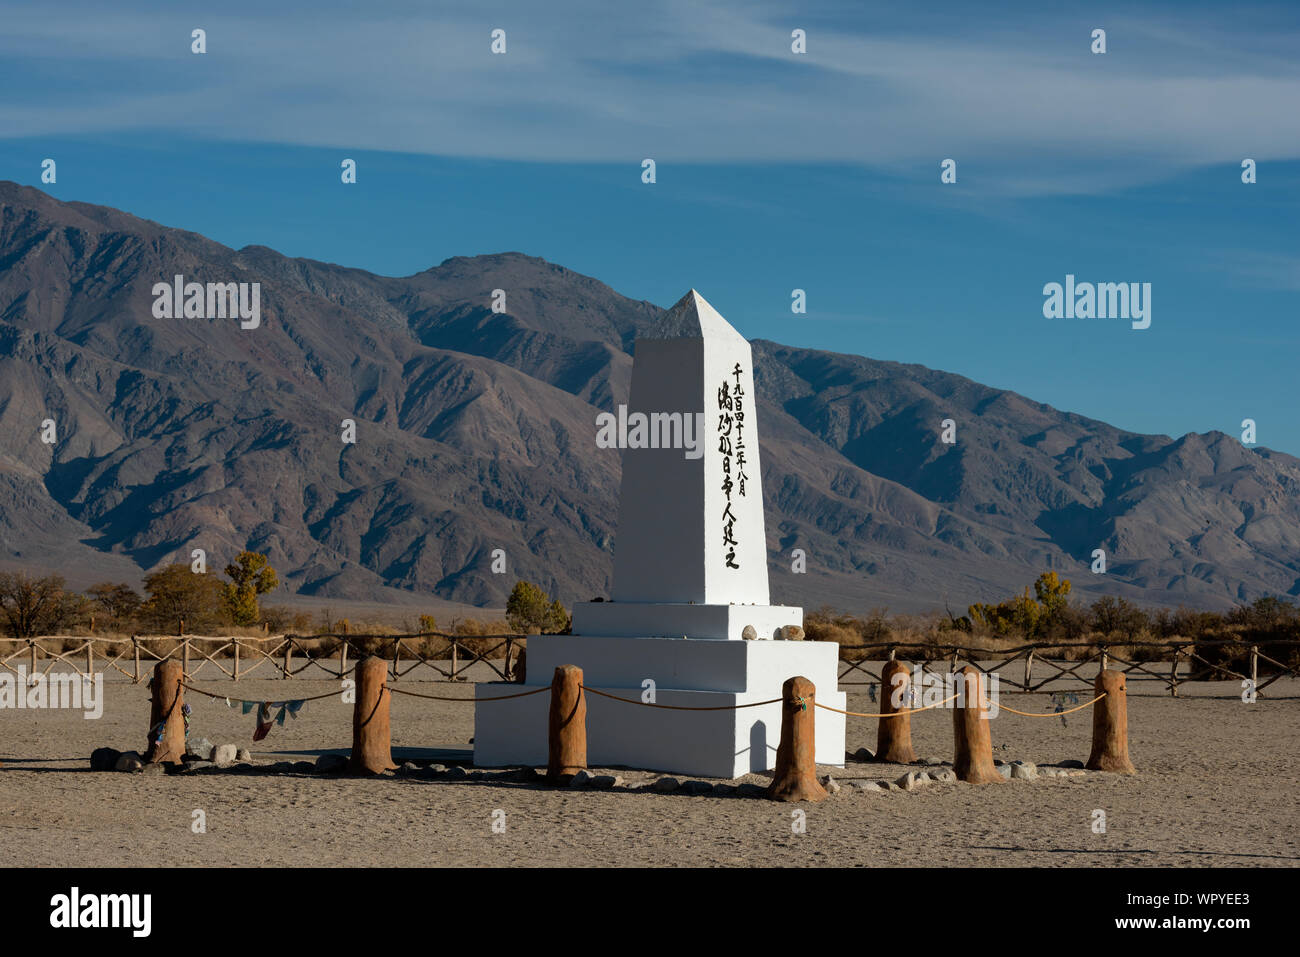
[[1066, 668], [237, 658], [290, 655]]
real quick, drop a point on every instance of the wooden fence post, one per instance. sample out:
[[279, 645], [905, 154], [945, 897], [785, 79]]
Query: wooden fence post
[[795, 776], [1254, 669], [1029, 669], [235, 676], [397, 656], [343, 656], [90, 657], [185, 657], [454, 650], [135, 653], [1173, 674], [372, 750], [894, 734], [1110, 725], [973, 743], [31, 645], [567, 726], [166, 715], [288, 656]]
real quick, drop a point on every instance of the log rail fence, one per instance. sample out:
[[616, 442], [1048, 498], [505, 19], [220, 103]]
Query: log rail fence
[[240, 657], [291, 656], [1066, 667]]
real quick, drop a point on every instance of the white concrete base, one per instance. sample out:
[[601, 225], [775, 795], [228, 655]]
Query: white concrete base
[[688, 673], [623, 619]]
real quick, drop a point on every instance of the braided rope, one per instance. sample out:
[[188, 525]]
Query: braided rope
[[1051, 714], [434, 697], [673, 707], [892, 714], [226, 697]]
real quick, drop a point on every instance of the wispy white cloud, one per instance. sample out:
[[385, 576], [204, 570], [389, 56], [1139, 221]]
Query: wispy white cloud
[[1261, 270], [1018, 100]]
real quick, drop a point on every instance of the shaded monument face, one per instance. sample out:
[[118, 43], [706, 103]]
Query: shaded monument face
[[690, 522]]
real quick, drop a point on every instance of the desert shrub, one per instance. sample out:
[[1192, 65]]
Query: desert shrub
[[470, 627], [363, 645], [320, 646], [825, 625], [162, 647], [1268, 623], [432, 647], [480, 645], [530, 610], [439, 649], [286, 620], [1112, 616]]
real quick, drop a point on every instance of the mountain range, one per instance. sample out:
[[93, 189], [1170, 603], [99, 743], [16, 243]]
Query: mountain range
[[475, 432]]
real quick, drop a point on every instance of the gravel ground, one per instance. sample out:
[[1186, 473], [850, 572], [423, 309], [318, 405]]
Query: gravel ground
[[1216, 785]]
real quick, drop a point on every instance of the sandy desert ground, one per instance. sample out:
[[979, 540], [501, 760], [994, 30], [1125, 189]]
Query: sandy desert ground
[[1217, 786]]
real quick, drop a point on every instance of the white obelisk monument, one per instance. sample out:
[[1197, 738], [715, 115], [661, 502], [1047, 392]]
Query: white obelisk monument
[[690, 582]]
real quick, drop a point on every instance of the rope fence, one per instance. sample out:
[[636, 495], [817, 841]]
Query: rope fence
[[434, 697], [794, 777], [889, 714], [1051, 714]]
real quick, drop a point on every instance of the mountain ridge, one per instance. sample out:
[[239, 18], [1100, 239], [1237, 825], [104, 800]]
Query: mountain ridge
[[476, 428]]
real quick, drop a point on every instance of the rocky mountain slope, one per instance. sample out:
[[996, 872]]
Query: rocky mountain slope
[[475, 431]]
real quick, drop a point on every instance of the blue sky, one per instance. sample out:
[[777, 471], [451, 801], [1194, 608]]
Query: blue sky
[[775, 171]]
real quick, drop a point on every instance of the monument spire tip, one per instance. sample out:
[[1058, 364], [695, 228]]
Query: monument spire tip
[[692, 317]]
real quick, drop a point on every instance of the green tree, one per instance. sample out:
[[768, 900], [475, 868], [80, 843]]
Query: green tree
[[1031, 617], [1052, 592], [530, 610], [250, 576], [178, 594], [558, 619], [1025, 614], [992, 617]]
